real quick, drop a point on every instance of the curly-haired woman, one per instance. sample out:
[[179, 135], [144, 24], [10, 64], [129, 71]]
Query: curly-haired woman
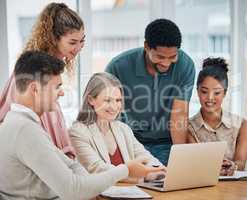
[[60, 32]]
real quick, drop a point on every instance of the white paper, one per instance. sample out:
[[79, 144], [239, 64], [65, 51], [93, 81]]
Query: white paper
[[131, 192], [237, 175]]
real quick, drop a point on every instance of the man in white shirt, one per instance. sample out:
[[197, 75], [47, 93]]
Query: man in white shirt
[[31, 166]]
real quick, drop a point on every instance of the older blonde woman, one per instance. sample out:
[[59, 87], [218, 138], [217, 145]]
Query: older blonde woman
[[100, 140]]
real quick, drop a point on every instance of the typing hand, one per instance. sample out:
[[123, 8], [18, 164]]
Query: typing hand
[[228, 167], [138, 169], [155, 176]]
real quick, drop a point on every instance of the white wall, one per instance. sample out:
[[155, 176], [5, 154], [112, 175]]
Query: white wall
[[23, 8], [4, 72]]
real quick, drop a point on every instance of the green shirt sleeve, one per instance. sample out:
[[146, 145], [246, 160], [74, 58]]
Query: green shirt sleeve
[[186, 81]]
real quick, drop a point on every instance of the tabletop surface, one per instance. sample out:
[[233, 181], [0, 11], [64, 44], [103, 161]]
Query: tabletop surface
[[224, 190]]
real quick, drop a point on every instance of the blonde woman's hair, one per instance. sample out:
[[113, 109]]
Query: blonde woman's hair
[[96, 84], [56, 20]]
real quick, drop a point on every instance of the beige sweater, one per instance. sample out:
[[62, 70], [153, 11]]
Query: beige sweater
[[31, 167]]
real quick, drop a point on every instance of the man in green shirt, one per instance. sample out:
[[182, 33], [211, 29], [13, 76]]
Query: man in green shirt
[[158, 81]]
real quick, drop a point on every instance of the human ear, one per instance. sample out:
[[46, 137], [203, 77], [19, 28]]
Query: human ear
[[146, 47], [33, 87], [90, 100]]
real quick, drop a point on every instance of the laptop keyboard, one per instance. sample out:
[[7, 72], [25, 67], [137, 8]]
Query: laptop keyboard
[[160, 185], [156, 183]]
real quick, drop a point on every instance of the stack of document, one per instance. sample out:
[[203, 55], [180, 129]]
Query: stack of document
[[125, 192], [238, 175]]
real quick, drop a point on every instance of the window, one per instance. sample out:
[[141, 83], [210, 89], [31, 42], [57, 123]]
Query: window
[[21, 15], [117, 26], [205, 27], [219, 44]]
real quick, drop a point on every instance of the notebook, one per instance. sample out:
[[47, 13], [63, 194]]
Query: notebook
[[237, 176], [125, 192]]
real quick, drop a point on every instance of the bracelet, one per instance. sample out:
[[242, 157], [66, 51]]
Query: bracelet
[[240, 164]]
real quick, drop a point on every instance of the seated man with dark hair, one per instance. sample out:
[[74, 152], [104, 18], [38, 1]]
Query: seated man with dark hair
[[158, 81], [32, 167]]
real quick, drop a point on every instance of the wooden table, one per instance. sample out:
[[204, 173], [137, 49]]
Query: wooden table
[[227, 190]]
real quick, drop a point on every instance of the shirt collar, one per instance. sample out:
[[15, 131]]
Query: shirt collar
[[225, 120], [21, 108], [141, 69], [199, 122]]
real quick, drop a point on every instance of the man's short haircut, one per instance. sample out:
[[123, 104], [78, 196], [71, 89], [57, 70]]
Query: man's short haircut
[[164, 33], [36, 66]]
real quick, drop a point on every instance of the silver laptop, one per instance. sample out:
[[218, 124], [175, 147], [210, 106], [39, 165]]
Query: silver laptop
[[191, 166]]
